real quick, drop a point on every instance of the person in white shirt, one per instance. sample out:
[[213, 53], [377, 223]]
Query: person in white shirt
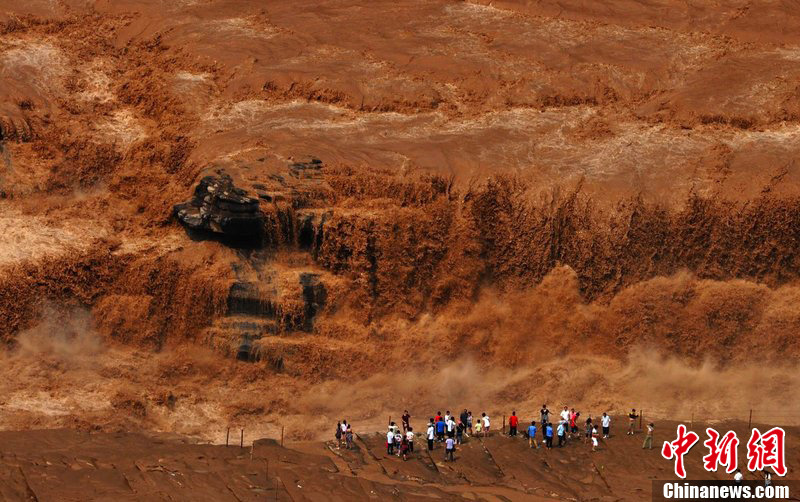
[[390, 442], [565, 414], [431, 435], [605, 421], [648, 439], [449, 449], [410, 438], [485, 419], [451, 427]]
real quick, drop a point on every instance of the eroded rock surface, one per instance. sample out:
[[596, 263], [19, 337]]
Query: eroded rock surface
[[218, 207]]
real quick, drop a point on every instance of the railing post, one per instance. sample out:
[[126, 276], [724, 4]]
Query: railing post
[[227, 436], [241, 440]]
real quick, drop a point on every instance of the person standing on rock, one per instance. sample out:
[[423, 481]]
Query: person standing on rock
[[464, 419], [338, 435], [565, 414], [406, 420], [548, 435], [513, 421], [449, 450], [348, 437], [486, 424], [594, 438], [460, 432], [451, 427], [562, 433], [439, 416], [390, 442], [398, 439], [344, 428], [632, 416], [410, 438], [431, 434], [605, 421], [469, 422], [648, 439], [532, 435], [404, 448], [440, 427], [544, 414], [573, 422], [589, 427]]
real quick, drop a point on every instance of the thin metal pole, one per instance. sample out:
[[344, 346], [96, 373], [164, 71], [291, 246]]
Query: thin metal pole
[[750, 420], [241, 440], [227, 436], [282, 429]]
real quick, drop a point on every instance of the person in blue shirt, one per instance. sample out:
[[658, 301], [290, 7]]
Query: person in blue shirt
[[532, 435], [440, 430], [562, 433], [548, 435]]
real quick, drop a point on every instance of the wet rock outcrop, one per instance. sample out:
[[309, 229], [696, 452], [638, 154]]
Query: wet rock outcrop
[[221, 209]]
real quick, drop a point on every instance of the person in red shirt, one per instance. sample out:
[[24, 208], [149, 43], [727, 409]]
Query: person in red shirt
[[573, 422], [438, 416], [513, 421]]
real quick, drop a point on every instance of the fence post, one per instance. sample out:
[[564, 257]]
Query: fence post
[[241, 440], [750, 420], [227, 436], [282, 429]]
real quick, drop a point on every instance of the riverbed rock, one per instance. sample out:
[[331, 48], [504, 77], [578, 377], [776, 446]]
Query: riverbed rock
[[219, 207]]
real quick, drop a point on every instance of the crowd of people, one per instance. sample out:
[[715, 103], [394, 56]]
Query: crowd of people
[[451, 431]]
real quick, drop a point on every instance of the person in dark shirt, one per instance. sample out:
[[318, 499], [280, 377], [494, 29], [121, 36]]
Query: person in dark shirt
[[632, 416], [405, 418], [544, 414], [464, 418]]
